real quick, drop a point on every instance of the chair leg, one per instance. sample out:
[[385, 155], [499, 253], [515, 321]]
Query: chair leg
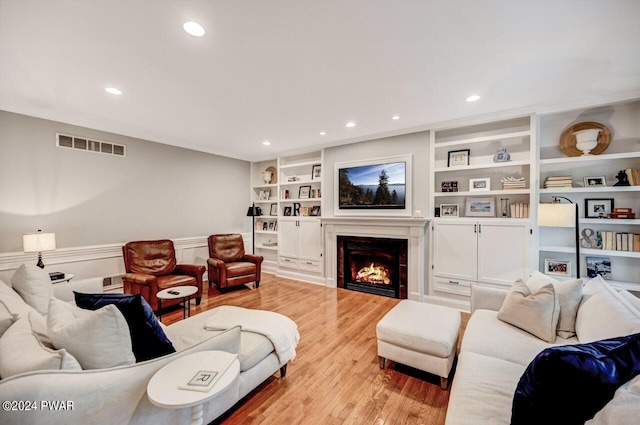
[[198, 299], [443, 383], [257, 284], [283, 371]]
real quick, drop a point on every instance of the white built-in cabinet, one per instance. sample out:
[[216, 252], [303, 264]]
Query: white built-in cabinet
[[486, 251], [293, 245]]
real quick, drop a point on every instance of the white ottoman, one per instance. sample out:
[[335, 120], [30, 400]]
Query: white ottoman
[[423, 336]]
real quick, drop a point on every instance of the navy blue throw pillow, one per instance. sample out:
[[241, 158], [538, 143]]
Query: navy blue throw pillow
[[148, 340], [569, 384]]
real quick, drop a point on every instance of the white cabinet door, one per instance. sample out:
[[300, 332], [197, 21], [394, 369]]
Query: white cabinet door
[[455, 250], [288, 239], [503, 252], [310, 239]]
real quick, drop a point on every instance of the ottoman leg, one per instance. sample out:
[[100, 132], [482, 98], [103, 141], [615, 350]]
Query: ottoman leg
[[382, 361], [443, 383]]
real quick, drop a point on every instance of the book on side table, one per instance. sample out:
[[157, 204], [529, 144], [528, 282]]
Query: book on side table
[[206, 376]]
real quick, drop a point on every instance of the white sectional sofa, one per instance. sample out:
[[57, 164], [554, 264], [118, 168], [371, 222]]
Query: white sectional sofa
[[117, 395], [495, 354]]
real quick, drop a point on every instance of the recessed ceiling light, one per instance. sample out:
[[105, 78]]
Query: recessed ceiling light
[[350, 124], [266, 143], [193, 28], [113, 90], [323, 133], [395, 117], [472, 98]]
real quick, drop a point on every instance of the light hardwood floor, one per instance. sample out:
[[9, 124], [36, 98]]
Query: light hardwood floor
[[335, 377]]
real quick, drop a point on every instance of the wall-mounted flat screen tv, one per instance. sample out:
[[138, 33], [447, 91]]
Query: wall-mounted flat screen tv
[[372, 187]]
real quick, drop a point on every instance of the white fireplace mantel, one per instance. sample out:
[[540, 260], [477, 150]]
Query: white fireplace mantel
[[412, 229]]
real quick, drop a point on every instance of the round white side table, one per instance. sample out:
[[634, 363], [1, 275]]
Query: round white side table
[[184, 292], [163, 390]]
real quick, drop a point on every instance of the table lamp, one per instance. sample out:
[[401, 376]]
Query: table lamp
[[39, 242]]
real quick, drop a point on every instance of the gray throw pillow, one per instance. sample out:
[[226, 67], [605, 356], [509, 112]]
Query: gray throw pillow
[[533, 312]]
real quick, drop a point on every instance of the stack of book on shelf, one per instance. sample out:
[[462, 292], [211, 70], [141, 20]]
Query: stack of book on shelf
[[619, 241], [623, 213], [557, 181], [519, 210], [633, 176], [511, 183]]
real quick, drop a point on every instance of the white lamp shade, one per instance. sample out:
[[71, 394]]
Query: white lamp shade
[[38, 242], [557, 215]]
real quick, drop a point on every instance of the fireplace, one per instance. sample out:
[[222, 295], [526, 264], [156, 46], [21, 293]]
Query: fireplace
[[373, 265]]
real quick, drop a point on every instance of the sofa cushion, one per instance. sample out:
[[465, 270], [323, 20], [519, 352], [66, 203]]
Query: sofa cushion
[[569, 293], [21, 351], [624, 407], [536, 313], [482, 390], [574, 381], [632, 299], [604, 313], [148, 340], [507, 342], [98, 339], [7, 318], [14, 302], [253, 349], [34, 286]]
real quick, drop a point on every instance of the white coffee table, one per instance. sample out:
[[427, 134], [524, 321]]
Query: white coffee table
[[163, 390], [184, 292]]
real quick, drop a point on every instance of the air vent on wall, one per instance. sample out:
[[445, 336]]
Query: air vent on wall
[[90, 145]]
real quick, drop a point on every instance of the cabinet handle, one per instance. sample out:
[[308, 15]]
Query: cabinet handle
[[475, 228], [454, 282], [479, 228], [309, 262]]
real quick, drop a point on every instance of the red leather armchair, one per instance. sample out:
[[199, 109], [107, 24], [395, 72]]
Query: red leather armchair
[[229, 265], [151, 267]]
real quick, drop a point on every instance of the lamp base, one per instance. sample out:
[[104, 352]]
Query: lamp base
[[40, 263]]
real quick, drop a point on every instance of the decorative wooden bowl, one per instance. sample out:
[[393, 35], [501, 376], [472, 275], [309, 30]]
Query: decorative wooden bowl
[[568, 140]]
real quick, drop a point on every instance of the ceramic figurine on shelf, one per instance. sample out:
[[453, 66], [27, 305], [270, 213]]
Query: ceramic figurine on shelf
[[623, 179], [502, 156]]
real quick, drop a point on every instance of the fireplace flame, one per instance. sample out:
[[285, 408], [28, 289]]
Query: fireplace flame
[[373, 274]]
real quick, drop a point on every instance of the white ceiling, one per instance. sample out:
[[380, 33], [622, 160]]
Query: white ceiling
[[284, 70]]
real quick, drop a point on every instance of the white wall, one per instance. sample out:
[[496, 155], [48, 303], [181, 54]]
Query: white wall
[[416, 144], [87, 199]]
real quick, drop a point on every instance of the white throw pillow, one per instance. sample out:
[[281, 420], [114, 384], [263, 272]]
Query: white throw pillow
[[536, 313], [633, 300], [13, 301], [21, 351], [34, 286], [7, 318], [569, 293], [604, 313], [98, 339]]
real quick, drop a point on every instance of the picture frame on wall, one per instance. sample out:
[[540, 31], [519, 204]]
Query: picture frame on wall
[[274, 209], [557, 267], [458, 158], [595, 208], [480, 185], [480, 207], [449, 210]]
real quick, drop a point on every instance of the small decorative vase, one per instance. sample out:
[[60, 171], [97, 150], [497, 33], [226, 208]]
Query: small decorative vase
[[587, 140], [266, 176]]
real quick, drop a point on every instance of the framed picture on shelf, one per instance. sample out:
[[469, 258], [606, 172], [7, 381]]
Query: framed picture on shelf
[[594, 181], [480, 185], [449, 210], [599, 266], [271, 226], [557, 267], [316, 172], [450, 186], [274, 209], [304, 192], [595, 208], [480, 207], [304, 211], [264, 195], [287, 211], [315, 210], [458, 158]]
